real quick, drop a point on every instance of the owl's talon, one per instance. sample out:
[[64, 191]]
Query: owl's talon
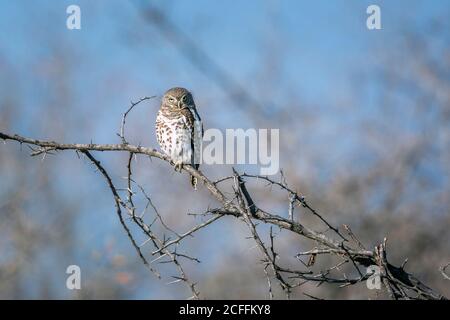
[[178, 166]]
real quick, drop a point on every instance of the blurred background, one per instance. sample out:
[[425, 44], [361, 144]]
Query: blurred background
[[364, 119]]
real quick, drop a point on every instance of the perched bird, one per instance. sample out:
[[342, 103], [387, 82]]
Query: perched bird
[[179, 129]]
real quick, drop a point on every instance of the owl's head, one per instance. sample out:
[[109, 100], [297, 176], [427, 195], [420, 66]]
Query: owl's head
[[177, 98]]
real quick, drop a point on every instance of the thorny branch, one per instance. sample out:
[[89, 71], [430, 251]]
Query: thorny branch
[[124, 116], [443, 271], [398, 283]]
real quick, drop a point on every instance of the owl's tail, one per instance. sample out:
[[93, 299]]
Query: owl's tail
[[194, 179], [194, 182]]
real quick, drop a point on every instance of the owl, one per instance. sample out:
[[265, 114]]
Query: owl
[[179, 129]]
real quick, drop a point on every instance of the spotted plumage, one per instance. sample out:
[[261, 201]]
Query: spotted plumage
[[179, 130]]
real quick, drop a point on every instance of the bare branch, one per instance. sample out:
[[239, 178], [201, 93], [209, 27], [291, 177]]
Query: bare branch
[[124, 116], [118, 202], [240, 204]]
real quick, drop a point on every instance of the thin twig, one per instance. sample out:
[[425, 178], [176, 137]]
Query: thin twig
[[124, 116]]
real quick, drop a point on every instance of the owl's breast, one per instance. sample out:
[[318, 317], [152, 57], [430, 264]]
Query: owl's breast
[[172, 134]]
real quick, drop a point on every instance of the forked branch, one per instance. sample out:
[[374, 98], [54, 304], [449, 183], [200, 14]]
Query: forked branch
[[239, 203]]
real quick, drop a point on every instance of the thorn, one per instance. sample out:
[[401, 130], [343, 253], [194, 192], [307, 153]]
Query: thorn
[[160, 257], [404, 264]]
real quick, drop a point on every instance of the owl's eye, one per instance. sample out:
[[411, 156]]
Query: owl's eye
[[184, 99], [171, 99]]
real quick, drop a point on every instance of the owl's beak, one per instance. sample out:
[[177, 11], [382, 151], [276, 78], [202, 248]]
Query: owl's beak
[[181, 105]]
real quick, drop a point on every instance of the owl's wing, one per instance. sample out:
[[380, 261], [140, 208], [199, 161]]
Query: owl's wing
[[197, 119], [196, 136], [192, 122]]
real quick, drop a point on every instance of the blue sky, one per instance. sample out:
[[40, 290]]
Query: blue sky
[[322, 39], [322, 43]]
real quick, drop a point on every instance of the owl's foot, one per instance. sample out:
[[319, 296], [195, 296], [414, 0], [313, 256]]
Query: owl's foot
[[178, 166]]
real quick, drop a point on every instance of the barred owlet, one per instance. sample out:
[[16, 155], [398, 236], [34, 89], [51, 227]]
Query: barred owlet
[[179, 129]]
